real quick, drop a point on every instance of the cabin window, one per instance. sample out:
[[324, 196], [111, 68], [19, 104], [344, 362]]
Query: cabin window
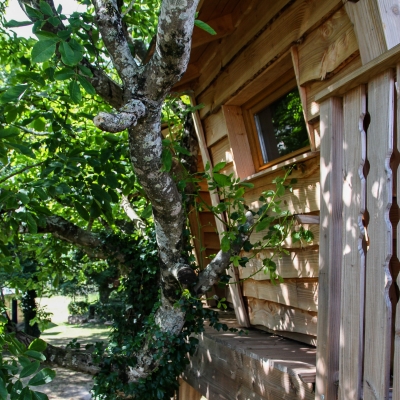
[[280, 128]]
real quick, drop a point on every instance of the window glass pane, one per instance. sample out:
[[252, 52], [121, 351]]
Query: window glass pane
[[281, 128]]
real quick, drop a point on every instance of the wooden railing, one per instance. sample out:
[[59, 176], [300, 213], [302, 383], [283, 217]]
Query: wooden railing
[[359, 313]]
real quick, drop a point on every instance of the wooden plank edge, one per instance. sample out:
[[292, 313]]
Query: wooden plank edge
[[235, 290], [362, 75]]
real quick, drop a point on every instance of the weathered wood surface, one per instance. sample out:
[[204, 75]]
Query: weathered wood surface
[[299, 337], [240, 309], [281, 318], [361, 75], [298, 293], [215, 128], [327, 47], [353, 273], [378, 311], [293, 22], [330, 249], [396, 356], [187, 392], [377, 26], [238, 141], [256, 366], [298, 264]]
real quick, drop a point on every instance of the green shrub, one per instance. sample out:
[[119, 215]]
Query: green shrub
[[78, 307]]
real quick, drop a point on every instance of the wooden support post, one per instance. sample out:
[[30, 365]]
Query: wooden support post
[[187, 392], [239, 142], [353, 273], [396, 363], [378, 309], [235, 290], [330, 249], [303, 96]]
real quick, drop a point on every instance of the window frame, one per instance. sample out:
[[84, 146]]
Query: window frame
[[255, 105]]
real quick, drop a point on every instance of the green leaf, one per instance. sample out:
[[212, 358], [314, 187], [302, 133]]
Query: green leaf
[[147, 212], [246, 184], [225, 244], [112, 181], [35, 354], [82, 211], [46, 9], [8, 132], [222, 180], [64, 74], [75, 92], [219, 166], [21, 149], [112, 138], [13, 94], [71, 53], [43, 50], [38, 345], [3, 390], [33, 13], [166, 160], [25, 394], [86, 85], [44, 376], [205, 27], [85, 70], [15, 24], [263, 224], [44, 35], [39, 396], [23, 197], [181, 150], [31, 223], [29, 369]]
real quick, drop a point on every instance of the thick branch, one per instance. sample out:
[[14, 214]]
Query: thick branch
[[131, 213], [110, 25], [171, 57]]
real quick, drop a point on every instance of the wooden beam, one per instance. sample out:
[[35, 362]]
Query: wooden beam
[[187, 392], [330, 249], [307, 219], [191, 74], [222, 25], [353, 273], [377, 26], [237, 298], [378, 310], [303, 95], [239, 142], [362, 75]]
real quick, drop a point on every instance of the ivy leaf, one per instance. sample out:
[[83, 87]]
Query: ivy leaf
[[205, 27], [46, 375], [75, 92], [43, 50]]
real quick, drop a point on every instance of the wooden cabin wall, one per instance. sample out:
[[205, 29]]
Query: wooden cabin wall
[[273, 45]]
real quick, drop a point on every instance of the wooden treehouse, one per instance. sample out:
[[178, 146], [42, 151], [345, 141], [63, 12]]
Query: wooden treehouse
[[332, 329]]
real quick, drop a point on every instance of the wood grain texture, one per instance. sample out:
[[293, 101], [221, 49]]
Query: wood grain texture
[[330, 249], [298, 264], [353, 273], [377, 26], [221, 152], [256, 366], [215, 128], [396, 358], [252, 59], [298, 293], [281, 318], [240, 309], [326, 48], [378, 310], [361, 75], [187, 392], [239, 143]]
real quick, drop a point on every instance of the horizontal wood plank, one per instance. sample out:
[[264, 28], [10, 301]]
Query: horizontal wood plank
[[215, 128], [298, 293], [221, 152], [282, 318], [223, 26], [299, 264]]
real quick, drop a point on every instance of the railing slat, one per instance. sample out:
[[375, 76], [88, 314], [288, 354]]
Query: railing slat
[[379, 198], [396, 364], [353, 272]]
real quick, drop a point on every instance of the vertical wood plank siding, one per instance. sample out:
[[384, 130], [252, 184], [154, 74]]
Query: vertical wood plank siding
[[378, 313], [330, 249], [353, 273]]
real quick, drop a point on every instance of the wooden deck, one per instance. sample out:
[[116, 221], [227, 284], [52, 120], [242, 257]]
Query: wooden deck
[[258, 366]]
